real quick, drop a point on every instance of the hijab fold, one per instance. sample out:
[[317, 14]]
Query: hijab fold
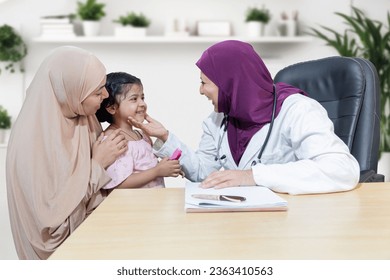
[[245, 90]]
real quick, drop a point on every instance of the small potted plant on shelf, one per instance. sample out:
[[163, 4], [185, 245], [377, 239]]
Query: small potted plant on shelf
[[132, 25], [5, 124], [256, 19], [91, 12], [12, 48]]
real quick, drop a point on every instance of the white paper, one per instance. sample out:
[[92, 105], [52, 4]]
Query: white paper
[[256, 197]]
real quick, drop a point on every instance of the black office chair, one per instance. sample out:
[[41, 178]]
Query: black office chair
[[348, 88]]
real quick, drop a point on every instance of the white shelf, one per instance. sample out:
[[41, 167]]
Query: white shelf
[[167, 39]]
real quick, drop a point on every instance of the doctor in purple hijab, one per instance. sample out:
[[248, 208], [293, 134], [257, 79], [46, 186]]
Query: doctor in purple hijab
[[246, 90], [302, 144]]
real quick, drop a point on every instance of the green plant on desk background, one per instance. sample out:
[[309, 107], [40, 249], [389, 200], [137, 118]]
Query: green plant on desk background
[[133, 19], [5, 118], [90, 13], [255, 14], [91, 10], [256, 20], [5, 124], [12, 48], [370, 39]]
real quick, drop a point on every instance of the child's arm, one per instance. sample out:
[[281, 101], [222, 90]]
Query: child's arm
[[165, 168]]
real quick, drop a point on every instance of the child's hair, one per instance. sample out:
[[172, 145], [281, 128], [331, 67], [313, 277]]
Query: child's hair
[[117, 85]]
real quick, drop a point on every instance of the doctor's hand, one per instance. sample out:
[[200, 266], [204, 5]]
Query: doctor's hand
[[151, 128], [229, 178]]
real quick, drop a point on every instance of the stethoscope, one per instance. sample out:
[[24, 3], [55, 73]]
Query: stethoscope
[[224, 123]]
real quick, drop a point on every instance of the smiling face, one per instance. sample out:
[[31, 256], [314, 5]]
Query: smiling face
[[209, 89], [132, 105], [92, 103]]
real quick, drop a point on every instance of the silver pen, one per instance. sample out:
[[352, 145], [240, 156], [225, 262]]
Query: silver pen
[[231, 198]]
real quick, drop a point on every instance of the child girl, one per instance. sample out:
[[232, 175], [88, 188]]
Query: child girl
[[138, 167]]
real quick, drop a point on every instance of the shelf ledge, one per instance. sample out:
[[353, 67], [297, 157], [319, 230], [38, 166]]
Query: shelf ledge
[[168, 39]]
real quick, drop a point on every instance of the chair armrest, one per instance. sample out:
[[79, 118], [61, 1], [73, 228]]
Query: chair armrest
[[367, 176]]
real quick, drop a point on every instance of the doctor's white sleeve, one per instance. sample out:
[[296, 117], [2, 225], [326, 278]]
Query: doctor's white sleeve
[[322, 164], [197, 165]]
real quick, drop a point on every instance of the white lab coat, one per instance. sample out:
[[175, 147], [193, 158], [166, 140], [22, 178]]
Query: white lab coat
[[303, 154]]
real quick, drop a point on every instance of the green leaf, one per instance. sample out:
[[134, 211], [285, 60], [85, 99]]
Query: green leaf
[[370, 39], [12, 47]]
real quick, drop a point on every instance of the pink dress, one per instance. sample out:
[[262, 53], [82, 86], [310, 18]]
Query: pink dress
[[139, 157]]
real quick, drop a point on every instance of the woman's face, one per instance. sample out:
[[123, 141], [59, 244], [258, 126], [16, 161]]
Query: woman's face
[[133, 105], [209, 89], [92, 103]]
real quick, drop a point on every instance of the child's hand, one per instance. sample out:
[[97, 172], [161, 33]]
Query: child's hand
[[169, 168]]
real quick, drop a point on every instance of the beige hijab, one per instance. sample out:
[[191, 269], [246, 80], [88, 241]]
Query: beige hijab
[[49, 153]]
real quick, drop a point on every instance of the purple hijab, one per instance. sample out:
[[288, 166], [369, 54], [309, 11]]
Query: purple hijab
[[245, 90]]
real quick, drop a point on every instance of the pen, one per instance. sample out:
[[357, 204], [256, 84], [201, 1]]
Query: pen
[[231, 198]]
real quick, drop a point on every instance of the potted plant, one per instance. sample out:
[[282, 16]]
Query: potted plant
[[370, 39], [12, 48], [256, 19], [5, 124], [91, 12], [131, 24]]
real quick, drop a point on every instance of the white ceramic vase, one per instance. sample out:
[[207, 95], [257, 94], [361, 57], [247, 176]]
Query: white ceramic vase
[[129, 31], [91, 28], [4, 135], [288, 28], [255, 28]]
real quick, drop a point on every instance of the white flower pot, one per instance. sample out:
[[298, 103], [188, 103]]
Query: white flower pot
[[91, 28], [384, 165], [255, 28], [4, 135], [129, 31]]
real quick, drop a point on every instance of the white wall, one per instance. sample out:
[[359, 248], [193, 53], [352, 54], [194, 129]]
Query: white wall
[[167, 70], [170, 78]]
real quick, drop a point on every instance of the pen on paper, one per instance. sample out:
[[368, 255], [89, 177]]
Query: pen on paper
[[231, 198]]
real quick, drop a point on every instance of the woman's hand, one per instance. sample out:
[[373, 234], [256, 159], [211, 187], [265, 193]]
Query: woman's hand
[[169, 168], [151, 128], [107, 151], [229, 178]]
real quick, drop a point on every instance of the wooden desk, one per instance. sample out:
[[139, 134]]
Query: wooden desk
[[151, 224]]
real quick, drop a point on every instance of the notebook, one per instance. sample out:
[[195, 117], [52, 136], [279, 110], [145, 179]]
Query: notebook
[[234, 199]]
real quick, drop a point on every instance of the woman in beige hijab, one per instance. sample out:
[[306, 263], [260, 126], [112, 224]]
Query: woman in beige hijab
[[55, 167]]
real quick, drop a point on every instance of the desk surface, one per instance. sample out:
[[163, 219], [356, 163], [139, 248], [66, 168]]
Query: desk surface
[[151, 224]]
